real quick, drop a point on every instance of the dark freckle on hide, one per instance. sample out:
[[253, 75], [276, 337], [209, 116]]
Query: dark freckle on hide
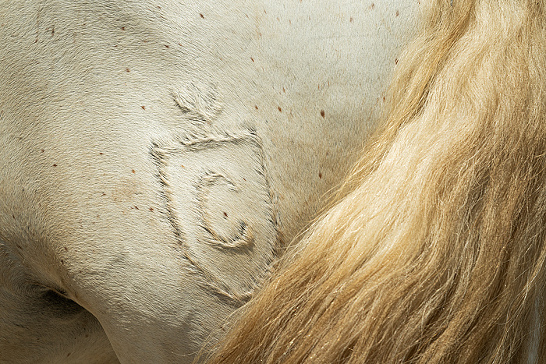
[[202, 16], [100, 153], [225, 215], [104, 194], [143, 107], [122, 28], [132, 170], [280, 109], [54, 165], [320, 175], [283, 90], [43, 150], [136, 207], [252, 59], [67, 355], [151, 209], [396, 61], [127, 70], [256, 107], [166, 46], [322, 113], [397, 13]]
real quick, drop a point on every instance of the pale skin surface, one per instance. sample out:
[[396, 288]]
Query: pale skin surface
[[126, 129]]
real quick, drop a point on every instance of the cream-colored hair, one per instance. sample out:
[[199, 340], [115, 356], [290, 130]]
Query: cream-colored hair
[[435, 252]]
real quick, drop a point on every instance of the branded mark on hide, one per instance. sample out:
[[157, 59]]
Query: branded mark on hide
[[219, 203]]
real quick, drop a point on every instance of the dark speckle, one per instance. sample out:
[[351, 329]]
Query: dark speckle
[[322, 113], [127, 70], [397, 13], [202, 16], [252, 59], [54, 165], [122, 28], [136, 207], [396, 61], [166, 46], [132, 170], [151, 209], [372, 6], [256, 107], [43, 150], [351, 19], [225, 215], [280, 109], [100, 153], [143, 107], [320, 175]]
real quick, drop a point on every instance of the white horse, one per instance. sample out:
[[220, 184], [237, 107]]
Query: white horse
[[435, 252], [156, 155]]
